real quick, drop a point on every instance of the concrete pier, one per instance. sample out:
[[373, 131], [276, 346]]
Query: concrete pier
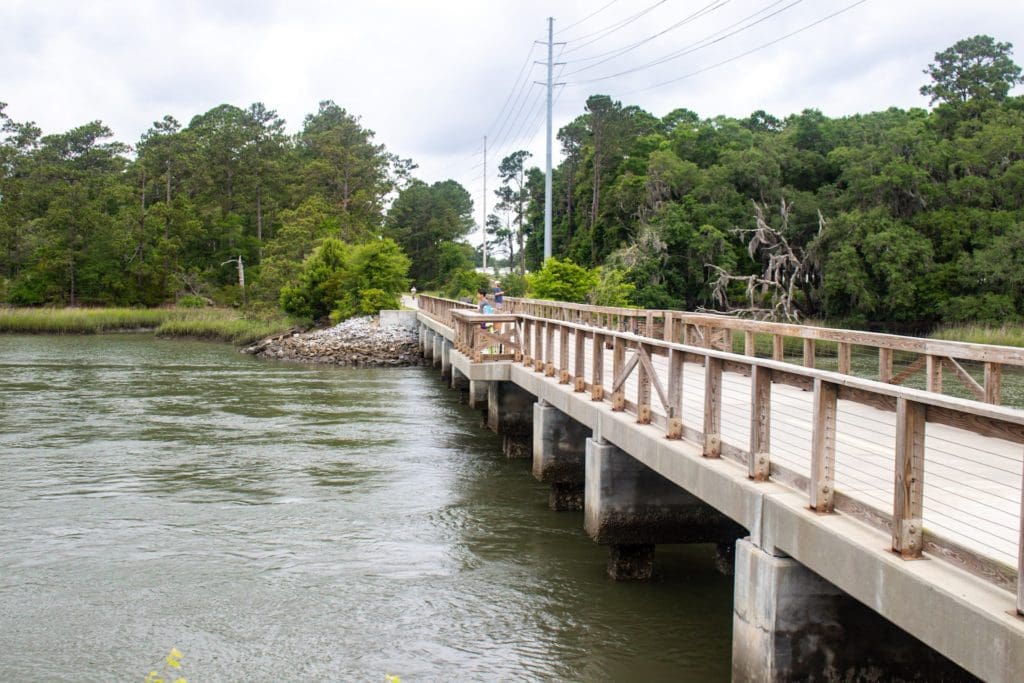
[[631, 508], [427, 337], [510, 413], [559, 452], [789, 624], [446, 362], [435, 354], [459, 381], [478, 393]]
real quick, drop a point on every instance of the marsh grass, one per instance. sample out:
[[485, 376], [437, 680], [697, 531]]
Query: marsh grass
[[226, 326], [217, 324], [1004, 335]]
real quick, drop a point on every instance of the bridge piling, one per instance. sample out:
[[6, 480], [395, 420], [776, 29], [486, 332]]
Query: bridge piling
[[446, 363], [510, 413], [435, 353], [631, 508], [559, 451], [459, 382], [790, 624]]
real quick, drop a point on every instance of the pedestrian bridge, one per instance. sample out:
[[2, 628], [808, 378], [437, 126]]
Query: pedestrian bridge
[[836, 463]]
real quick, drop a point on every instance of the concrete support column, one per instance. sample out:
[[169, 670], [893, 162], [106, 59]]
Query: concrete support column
[[789, 624], [459, 381], [435, 358], [446, 361], [629, 506], [510, 413], [427, 339], [559, 452], [478, 392]]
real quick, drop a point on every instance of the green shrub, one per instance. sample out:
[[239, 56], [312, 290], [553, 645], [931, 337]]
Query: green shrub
[[191, 301], [466, 283], [513, 284], [562, 281]]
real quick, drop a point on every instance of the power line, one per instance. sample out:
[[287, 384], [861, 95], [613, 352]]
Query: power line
[[589, 16], [505, 132], [517, 90], [707, 41], [707, 9], [750, 51], [608, 30]]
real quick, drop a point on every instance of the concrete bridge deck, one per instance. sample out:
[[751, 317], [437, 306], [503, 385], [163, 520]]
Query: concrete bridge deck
[[958, 598]]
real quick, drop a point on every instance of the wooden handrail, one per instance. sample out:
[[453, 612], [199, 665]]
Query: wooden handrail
[[714, 331], [915, 409]]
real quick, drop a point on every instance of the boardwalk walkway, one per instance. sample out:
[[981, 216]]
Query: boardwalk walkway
[[939, 477]]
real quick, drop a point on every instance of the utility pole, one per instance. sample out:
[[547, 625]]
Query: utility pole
[[547, 156], [551, 64], [483, 223]]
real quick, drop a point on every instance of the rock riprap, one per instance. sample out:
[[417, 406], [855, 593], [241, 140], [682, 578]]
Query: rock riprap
[[357, 341]]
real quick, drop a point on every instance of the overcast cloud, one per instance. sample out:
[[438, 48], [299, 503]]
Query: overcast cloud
[[431, 77]]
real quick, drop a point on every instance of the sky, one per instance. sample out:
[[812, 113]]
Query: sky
[[433, 78]]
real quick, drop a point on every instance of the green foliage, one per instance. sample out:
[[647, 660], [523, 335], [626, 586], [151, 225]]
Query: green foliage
[[513, 284], [895, 215], [374, 275], [975, 67], [612, 289], [1003, 335], [562, 281], [208, 323], [426, 220], [343, 281], [319, 284], [465, 284], [191, 301]]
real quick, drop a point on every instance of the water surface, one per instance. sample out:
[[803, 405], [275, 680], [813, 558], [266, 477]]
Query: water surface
[[283, 522]]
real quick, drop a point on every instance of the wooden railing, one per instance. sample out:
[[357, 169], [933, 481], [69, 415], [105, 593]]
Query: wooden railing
[[653, 369], [440, 309], [486, 336], [716, 331]]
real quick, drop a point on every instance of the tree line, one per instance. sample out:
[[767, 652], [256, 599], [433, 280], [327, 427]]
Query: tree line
[[900, 216], [913, 216]]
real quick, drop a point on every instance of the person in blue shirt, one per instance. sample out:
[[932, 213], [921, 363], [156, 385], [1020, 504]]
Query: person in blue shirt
[[499, 296]]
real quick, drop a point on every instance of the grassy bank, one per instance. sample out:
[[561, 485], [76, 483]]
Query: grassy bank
[[217, 324], [1004, 335]]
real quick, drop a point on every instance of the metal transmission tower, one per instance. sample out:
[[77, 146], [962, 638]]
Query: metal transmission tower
[[547, 156]]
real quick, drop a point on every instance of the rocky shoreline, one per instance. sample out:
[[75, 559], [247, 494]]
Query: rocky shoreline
[[359, 342]]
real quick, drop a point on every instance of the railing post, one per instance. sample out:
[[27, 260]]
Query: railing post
[[563, 354], [643, 389], [597, 369], [908, 496], [668, 334], [885, 365], [809, 356], [933, 370], [527, 351], [712, 407], [993, 383], [823, 447], [618, 361], [759, 465], [549, 349], [749, 344], [579, 378], [674, 429], [538, 346], [778, 347], [844, 353], [1020, 557]]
